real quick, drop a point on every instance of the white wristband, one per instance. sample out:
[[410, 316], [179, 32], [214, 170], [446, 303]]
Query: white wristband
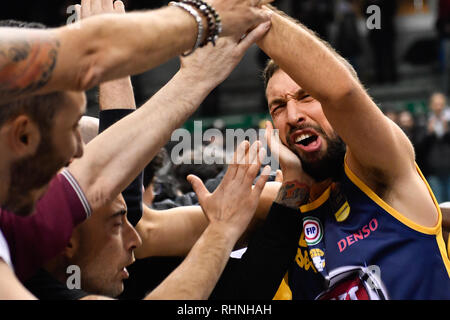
[[197, 17]]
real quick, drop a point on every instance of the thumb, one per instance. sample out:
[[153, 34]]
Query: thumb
[[279, 177], [272, 138], [119, 7], [78, 11], [254, 35], [198, 186]]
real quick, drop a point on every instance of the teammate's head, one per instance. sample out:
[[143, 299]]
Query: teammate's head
[[302, 125], [103, 246], [38, 136]]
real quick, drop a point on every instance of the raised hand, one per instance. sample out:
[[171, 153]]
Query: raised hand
[[290, 163], [239, 16], [90, 8], [233, 203], [298, 187], [214, 64]]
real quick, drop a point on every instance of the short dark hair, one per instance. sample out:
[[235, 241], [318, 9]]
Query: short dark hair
[[21, 24], [41, 109], [153, 167]]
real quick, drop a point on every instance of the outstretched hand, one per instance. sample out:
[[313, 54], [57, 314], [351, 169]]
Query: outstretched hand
[[239, 16], [233, 203], [214, 64], [90, 8]]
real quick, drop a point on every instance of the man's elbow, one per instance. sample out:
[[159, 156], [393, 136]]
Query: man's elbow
[[90, 76], [100, 193], [342, 93]]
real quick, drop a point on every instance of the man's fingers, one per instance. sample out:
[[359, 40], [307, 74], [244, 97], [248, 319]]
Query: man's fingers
[[254, 152], [78, 11], [107, 6], [261, 16], [263, 2], [254, 35], [270, 136], [96, 7], [259, 185], [261, 155], [238, 158], [85, 8], [119, 7], [241, 152], [198, 187], [279, 177], [258, 3]]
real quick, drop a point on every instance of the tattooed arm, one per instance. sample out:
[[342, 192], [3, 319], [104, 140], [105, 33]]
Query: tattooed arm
[[27, 63], [105, 47]]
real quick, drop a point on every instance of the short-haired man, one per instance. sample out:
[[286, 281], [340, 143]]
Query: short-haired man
[[378, 218]]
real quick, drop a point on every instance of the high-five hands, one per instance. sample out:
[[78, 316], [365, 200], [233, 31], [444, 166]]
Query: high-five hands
[[232, 205]]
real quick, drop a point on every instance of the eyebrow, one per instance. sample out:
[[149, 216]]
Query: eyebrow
[[121, 212], [299, 93], [276, 101]]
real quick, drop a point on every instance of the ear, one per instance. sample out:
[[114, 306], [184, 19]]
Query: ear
[[72, 247], [23, 136]]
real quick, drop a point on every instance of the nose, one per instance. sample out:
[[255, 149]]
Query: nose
[[133, 240], [295, 114]]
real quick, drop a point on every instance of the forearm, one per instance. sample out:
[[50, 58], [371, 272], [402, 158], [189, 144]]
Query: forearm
[[102, 175], [158, 227], [307, 59], [117, 94], [127, 44], [104, 48], [196, 277], [170, 232]]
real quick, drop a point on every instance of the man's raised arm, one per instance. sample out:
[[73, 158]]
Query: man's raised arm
[[388, 164], [136, 139], [327, 77], [106, 47]]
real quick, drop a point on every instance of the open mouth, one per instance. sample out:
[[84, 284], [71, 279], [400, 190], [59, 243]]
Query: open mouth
[[306, 139]]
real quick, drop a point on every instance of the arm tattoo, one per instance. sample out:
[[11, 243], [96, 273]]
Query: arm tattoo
[[26, 65], [293, 194]]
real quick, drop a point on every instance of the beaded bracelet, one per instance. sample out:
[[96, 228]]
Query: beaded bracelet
[[196, 15], [214, 21]]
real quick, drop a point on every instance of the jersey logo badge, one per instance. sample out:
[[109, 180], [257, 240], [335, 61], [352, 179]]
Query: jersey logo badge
[[318, 257], [313, 230]]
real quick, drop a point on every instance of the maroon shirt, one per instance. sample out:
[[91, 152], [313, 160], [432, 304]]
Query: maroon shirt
[[36, 239]]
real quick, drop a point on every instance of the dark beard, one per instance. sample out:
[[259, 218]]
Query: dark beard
[[330, 165], [30, 174]]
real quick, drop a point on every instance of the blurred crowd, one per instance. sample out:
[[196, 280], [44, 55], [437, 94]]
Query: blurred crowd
[[430, 136]]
